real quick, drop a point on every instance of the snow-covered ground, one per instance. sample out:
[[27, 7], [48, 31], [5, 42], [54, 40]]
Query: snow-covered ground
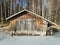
[[28, 40]]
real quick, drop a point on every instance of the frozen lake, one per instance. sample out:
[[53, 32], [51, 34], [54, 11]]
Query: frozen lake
[[29, 40]]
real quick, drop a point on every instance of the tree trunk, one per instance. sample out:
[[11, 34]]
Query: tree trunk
[[43, 10], [52, 5]]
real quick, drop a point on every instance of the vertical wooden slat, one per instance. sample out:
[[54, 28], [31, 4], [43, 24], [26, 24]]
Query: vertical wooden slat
[[28, 23], [22, 24], [33, 24], [18, 24]]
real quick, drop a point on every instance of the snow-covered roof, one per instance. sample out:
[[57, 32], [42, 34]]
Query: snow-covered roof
[[34, 14]]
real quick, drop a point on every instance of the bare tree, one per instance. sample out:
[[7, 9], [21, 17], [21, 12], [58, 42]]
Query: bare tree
[[52, 10], [42, 8], [0, 11], [35, 5]]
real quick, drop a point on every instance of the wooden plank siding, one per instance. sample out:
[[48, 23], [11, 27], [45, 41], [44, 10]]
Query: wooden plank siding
[[38, 22]]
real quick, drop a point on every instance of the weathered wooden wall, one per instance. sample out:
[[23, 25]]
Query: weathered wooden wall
[[36, 21]]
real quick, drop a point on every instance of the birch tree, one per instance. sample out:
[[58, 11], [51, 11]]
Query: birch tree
[[0, 13], [14, 6], [19, 5], [17, 8], [10, 7], [43, 11], [39, 7], [58, 12], [52, 10], [35, 5]]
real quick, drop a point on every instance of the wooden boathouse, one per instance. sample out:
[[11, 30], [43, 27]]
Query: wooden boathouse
[[27, 22]]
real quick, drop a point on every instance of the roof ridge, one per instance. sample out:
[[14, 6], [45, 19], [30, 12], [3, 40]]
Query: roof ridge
[[32, 13]]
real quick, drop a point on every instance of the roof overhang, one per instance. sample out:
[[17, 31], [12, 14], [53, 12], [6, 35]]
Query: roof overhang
[[15, 14], [34, 14]]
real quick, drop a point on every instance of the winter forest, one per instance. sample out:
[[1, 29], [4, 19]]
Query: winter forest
[[49, 9]]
